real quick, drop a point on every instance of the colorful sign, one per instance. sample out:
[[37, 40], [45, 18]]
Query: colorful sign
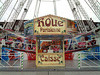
[[9, 54], [50, 25], [28, 28], [50, 59]]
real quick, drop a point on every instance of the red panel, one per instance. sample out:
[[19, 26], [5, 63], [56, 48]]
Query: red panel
[[31, 56], [69, 56]]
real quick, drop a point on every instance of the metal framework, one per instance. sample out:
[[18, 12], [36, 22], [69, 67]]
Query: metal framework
[[5, 6], [16, 28], [37, 7], [55, 10], [6, 63], [87, 62], [15, 15], [77, 10], [94, 7], [78, 18], [85, 15]]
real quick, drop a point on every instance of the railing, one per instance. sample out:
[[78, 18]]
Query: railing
[[10, 60], [89, 59]]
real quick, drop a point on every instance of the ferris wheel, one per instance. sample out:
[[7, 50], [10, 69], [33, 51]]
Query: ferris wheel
[[76, 7], [21, 8]]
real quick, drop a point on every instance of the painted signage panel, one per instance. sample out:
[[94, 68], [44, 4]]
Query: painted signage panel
[[28, 28], [49, 25], [50, 59], [9, 54]]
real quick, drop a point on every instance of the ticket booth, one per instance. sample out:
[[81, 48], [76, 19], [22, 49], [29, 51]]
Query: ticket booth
[[50, 31], [50, 51]]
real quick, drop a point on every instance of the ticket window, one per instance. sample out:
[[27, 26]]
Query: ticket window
[[50, 46]]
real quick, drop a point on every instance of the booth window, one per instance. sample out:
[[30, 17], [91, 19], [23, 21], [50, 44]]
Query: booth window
[[50, 46]]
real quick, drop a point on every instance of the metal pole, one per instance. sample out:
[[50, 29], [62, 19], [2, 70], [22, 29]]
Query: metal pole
[[55, 10]]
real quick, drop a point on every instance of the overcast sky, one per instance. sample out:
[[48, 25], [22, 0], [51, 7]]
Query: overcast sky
[[46, 8]]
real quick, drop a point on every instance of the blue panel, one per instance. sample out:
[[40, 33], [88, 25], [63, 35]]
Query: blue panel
[[28, 28]]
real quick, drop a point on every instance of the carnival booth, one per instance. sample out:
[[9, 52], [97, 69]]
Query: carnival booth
[[50, 32]]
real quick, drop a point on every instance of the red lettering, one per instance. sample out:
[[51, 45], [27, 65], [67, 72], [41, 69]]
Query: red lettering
[[41, 58], [51, 59], [48, 22], [54, 58], [46, 59], [54, 23], [60, 23], [40, 22], [58, 59]]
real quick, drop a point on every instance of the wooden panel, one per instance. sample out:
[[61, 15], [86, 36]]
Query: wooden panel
[[50, 59], [50, 25]]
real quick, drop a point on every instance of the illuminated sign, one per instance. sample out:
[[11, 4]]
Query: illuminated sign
[[50, 24], [50, 59]]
